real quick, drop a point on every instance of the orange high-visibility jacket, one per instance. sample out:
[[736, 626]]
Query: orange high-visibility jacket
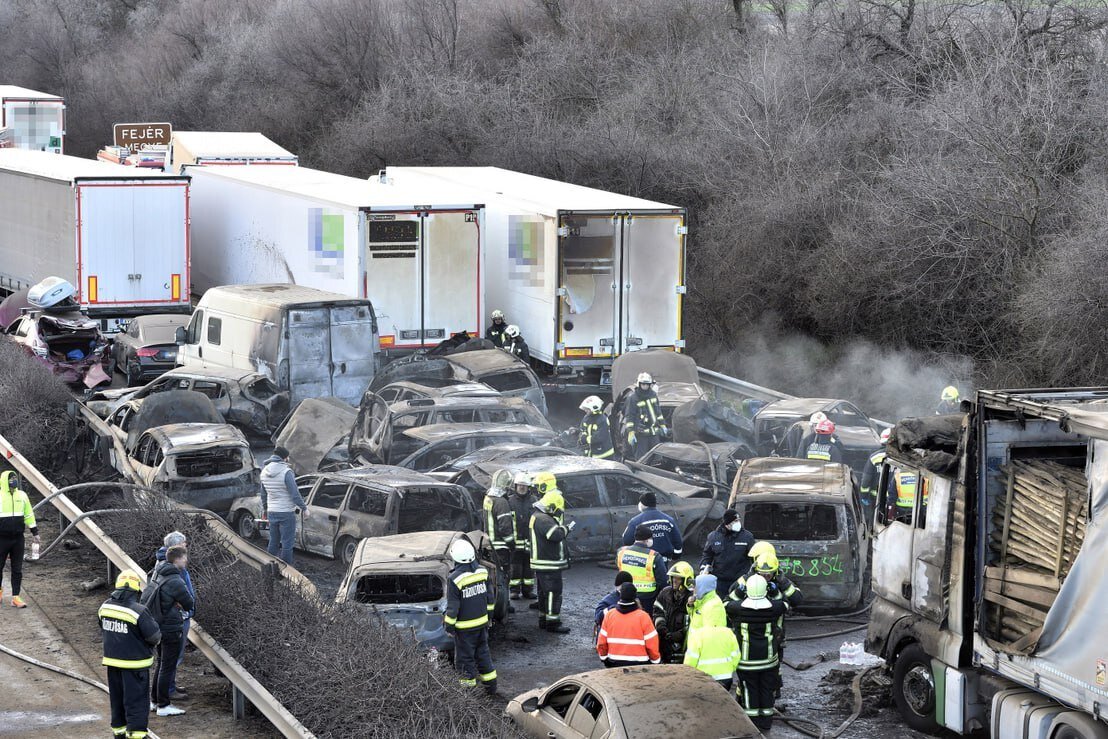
[[629, 637]]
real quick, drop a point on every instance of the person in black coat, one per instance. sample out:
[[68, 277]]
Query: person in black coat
[[167, 597], [727, 552], [129, 635]]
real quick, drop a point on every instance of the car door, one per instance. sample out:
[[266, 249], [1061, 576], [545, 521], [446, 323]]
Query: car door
[[552, 715], [623, 492], [365, 514], [438, 454], [587, 717], [217, 391], [141, 457], [320, 519], [592, 535]]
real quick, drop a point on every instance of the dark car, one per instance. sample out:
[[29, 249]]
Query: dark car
[[148, 347], [378, 433], [67, 341], [346, 506], [859, 435], [435, 445]]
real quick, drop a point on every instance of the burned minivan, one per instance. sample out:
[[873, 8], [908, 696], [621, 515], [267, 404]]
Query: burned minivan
[[812, 514], [402, 579]]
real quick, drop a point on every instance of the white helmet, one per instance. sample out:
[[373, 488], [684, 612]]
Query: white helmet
[[512, 330], [817, 417], [644, 377], [886, 434], [592, 404], [501, 480], [462, 552], [523, 478], [498, 314]]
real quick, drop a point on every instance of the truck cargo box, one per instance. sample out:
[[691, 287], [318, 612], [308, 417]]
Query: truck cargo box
[[224, 148], [35, 120]]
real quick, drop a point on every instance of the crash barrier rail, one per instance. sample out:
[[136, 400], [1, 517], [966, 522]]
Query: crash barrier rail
[[245, 686]]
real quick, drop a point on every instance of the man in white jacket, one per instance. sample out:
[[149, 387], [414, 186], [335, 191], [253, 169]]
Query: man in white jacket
[[281, 503]]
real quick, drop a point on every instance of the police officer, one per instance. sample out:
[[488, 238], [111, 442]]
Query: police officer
[[596, 430], [643, 423], [902, 499], [469, 603], [515, 344], [549, 556], [647, 567], [871, 476], [129, 634], [949, 401], [663, 527], [16, 514], [824, 446], [495, 332], [523, 498], [727, 552]]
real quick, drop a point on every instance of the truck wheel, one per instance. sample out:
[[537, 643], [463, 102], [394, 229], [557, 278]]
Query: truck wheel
[[244, 526], [914, 689], [346, 547]]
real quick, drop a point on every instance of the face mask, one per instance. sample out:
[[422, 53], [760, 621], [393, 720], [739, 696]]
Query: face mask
[[736, 526]]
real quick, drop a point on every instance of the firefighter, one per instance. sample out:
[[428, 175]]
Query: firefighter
[[499, 521], [705, 606], [671, 611], [950, 401], [666, 533], [644, 425], [495, 332], [727, 552], [801, 434], [469, 604], [824, 446], [755, 619], [16, 515], [627, 636], [549, 556], [515, 344], [129, 635], [714, 650], [522, 584], [596, 430], [871, 476], [647, 567], [779, 588]]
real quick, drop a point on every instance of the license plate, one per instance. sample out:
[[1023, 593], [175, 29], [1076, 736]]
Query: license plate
[[167, 355]]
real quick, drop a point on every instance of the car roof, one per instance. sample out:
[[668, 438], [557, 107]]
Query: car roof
[[449, 386], [789, 476], [694, 452], [215, 373], [162, 319], [565, 464], [796, 406], [418, 544], [439, 431], [459, 401], [485, 361], [180, 436], [386, 474]]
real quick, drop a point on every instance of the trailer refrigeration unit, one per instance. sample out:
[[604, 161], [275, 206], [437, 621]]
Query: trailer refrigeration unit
[[34, 120], [415, 252], [119, 234], [225, 147], [990, 590], [586, 274]]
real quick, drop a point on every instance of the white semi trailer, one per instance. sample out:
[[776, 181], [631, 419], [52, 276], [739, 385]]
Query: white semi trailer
[[586, 274], [225, 147], [31, 119], [415, 252], [119, 234]]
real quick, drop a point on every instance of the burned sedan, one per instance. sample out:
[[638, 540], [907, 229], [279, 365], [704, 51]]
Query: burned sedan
[[775, 432], [69, 343], [717, 462], [812, 514], [602, 496], [201, 465], [346, 506], [429, 387], [402, 579], [435, 445]]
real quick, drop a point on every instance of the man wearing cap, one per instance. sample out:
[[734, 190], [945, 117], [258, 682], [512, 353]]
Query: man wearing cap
[[627, 636], [646, 565], [609, 601], [663, 528], [16, 514], [129, 635], [727, 552], [281, 503], [755, 622]]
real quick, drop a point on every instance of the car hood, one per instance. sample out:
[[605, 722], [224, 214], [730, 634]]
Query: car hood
[[663, 366], [313, 429]]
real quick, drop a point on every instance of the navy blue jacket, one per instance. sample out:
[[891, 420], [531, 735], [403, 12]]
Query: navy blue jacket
[[667, 534], [606, 603], [728, 553]]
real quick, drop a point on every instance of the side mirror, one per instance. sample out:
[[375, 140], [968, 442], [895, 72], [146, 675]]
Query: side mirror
[[530, 705], [181, 336]]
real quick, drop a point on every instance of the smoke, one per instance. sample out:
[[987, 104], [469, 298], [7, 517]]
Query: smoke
[[887, 384]]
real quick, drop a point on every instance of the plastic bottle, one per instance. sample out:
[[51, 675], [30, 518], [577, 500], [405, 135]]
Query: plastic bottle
[[35, 548], [433, 657]]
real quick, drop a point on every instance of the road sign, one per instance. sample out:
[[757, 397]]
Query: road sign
[[137, 136]]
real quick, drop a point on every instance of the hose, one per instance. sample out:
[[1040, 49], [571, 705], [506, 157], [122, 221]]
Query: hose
[[800, 723], [810, 637], [61, 671]]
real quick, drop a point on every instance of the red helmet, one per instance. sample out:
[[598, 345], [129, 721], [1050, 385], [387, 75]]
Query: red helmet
[[825, 427]]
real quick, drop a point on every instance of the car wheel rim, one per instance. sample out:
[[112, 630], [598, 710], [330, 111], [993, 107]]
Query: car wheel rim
[[246, 526], [348, 552], [919, 690]]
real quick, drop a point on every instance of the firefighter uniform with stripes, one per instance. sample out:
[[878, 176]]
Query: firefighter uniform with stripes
[[470, 600], [130, 634], [643, 422], [549, 556], [755, 623], [714, 650], [499, 521], [596, 430], [16, 515], [521, 502]]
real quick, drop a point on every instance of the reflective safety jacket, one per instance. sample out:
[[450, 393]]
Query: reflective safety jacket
[[517, 347], [642, 414], [499, 521], [906, 483], [647, 568], [780, 588], [495, 333], [129, 632], [548, 542], [469, 598], [628, 636], [824, 448], [15, 508], [596, 436], [871, 476], [522, 508], [713, 650], [707, 611], [756, 633]]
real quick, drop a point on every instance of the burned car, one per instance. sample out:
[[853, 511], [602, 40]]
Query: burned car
[[812, 514], [244, 398], [130, 420], [675, 377], [147, 348], [68, 342], [776, 430], [201, 465], [378, 433], [602, 496], [317, 435], [440, 443], [502, 453], [632, 702], [346, 506], [402, 579], [702, 463], [430, 387]]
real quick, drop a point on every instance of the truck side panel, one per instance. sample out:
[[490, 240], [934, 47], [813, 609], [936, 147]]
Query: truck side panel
[[37, 231]]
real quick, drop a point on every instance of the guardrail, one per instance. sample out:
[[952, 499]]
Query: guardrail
[[242, 680]]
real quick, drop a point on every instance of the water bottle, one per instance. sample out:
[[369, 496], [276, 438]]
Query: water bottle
[[433, 657], [35, 547]]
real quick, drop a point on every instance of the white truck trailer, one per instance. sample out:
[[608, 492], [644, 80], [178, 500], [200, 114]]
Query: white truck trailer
[[586, 274], [119, 234], [415, 252], [225, 147], [34, 120]]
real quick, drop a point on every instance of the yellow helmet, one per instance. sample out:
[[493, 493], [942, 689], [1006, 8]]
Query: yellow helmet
[[760, 548], [545, 482], [553, 501], [683, 570], [950, 393], [128, 580], [766, 564]]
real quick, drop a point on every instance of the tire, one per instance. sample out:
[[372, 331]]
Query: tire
[[133, 377], [245, 527], [344, 550], [914, 689]]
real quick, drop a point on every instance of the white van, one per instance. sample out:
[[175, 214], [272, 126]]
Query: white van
[[312, 343]]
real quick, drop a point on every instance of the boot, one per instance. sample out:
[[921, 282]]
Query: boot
[[516, 595], [536, 606], [556, 627], [542, 623], [529, 594]]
